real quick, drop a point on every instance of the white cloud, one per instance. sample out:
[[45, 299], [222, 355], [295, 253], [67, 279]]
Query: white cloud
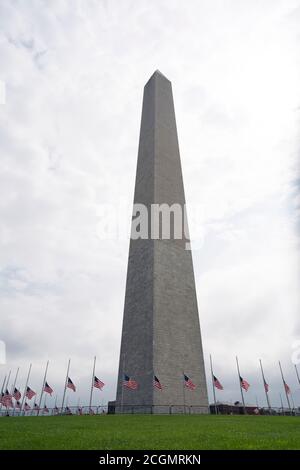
[[74, 73]]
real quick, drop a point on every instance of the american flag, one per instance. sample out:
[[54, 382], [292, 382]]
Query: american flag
[[244, 384], [17, 394], [18, 405], [129, 383], [71, 385], [48, 389], [26, 407], [6, 399], [56, 410], [36, 407], [188, 383], [98, 383], [287, 388], [68, 410], [156, 383], [45, 410], [217, 384], [266, 386], [80, 411], [29, 393]]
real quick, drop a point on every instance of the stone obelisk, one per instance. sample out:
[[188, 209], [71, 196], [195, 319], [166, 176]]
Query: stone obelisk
[[161, 332]]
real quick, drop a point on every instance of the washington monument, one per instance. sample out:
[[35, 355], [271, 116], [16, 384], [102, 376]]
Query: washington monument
[[161, 333]]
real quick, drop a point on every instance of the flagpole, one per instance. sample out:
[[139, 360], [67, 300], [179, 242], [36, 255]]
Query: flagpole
[[183, 385], [281, 403], [284, 385], [6, 386], [2, 388], [7, 381], [293, 402], [92, 384], [13, 389], [264, 381], [241, 388], [14, 383], [122, 384], [43, 386], [4, 380], [24, 394], [213, 384], [55, 403], [63, 401], [297, 373]]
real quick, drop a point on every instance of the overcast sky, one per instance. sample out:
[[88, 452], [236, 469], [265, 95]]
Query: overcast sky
[[74, 73]]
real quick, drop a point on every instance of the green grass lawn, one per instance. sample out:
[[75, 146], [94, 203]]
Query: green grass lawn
[[110, 432]]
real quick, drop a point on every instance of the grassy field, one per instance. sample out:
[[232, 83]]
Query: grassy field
[[150, 432]]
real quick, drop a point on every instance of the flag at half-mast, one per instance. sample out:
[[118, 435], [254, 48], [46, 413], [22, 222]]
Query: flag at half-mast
[[98, 383], [188, 383], [156, 383], [17, 394], [244, 384], [6, 399], [71, 385], [48, 389], [217, 383], [130, 383], [266, 385], [287, 388], [29, 393]]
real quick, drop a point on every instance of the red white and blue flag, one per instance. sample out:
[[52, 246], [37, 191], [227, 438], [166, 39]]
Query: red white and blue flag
[[71, 385], [48, 389], [17, 394], [156, 383], [18, 405], [130, 383], [266, 386], [188, 383], [6, 400], [29, 393], [287, 388], [26, 407], [45, 410], [244, 384], [98, 383], [36, 407], [217, 384]]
